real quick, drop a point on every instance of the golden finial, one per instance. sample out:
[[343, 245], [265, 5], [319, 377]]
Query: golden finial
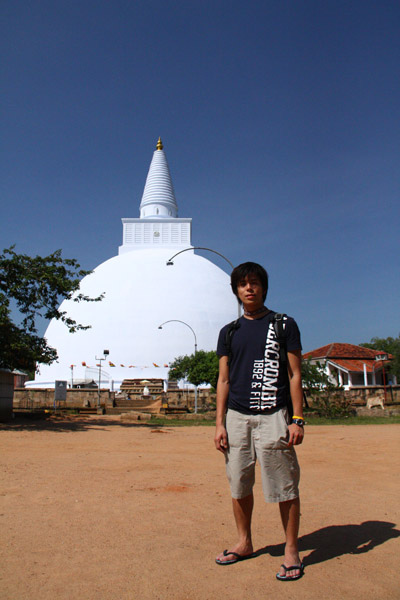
[[159, 144]]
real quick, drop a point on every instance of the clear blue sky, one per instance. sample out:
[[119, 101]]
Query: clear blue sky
[[280, 121]]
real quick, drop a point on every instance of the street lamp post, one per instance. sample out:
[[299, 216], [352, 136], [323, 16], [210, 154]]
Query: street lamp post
[[170, 261], [105, 353], [381, 358], [72, 375], [195, 350]]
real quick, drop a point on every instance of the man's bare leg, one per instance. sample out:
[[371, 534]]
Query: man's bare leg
[[290, 515], [242, 511]]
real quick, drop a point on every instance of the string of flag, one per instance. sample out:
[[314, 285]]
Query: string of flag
[[111, 364]]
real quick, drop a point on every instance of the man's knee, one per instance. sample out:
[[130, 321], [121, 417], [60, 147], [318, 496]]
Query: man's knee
[[290, 502]]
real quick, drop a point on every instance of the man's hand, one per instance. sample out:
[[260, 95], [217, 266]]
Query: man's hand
[[296, 434], [221, 439]]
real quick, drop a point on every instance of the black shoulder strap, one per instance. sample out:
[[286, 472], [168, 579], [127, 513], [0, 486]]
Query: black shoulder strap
[[281, 339], [280, 335], [228, 337]]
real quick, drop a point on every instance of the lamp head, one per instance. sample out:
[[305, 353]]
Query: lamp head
[[169, 263]]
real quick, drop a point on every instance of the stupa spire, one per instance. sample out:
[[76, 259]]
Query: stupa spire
[[158, 225], [158, 200]]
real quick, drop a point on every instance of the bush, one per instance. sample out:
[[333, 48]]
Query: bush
[[332, 405]]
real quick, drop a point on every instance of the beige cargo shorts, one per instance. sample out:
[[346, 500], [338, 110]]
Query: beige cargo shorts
[[262, 437]]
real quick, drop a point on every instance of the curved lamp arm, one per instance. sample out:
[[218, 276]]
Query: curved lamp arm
[[170, 262], [183, 322]]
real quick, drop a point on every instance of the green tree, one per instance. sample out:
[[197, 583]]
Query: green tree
[[199, 368], [34, 288], [314, 377], [328, 398], [390, 346]]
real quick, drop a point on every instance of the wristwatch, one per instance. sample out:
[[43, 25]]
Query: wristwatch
[[298, 420]]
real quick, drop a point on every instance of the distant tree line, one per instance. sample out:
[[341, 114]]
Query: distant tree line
[[389, 345]]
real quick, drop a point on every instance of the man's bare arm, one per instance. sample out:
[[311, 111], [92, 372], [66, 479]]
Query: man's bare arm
[[221, 439], [296, 393]]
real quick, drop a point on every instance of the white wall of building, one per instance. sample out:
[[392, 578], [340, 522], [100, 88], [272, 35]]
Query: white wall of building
[[141, 292]]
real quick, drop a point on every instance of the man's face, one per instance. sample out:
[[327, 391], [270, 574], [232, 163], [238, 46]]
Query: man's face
[[250, 292]]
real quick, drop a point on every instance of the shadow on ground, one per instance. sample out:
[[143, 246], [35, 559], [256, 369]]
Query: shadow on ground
[[62, 423], [336, 540]]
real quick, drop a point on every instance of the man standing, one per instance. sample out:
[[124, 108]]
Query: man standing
[[253, 394]]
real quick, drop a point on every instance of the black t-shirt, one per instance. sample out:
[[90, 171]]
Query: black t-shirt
[[258, 382]]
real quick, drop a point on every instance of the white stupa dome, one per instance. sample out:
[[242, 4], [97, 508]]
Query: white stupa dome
[[141, 293]]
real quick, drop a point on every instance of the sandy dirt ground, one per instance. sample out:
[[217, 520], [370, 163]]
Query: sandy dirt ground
[[93, 508]]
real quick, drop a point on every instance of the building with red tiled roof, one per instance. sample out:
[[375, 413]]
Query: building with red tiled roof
[[350, 365]]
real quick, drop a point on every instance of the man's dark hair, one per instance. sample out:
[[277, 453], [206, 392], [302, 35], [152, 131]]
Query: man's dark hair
[[249, 268]]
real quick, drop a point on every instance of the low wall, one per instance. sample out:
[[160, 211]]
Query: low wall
[[78, 398], [6, 394], [185, 398], [44, 398], [359, 396]]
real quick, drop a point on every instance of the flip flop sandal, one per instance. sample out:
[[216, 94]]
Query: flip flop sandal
[[238, 558], [292, 568]]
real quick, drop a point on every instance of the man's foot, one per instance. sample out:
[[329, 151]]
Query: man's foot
[[292, 567], [239, 552], [290, 573]]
